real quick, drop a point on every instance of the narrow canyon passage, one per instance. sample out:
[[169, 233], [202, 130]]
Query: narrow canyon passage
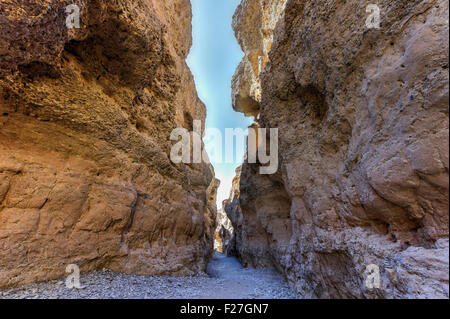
[[90, 183], [115, 161]]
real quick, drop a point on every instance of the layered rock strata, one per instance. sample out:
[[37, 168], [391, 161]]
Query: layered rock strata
[[363, 180], [85, 119]]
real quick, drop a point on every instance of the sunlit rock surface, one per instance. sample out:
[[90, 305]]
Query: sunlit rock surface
[[364, 147], [85, 120], [253, 23]]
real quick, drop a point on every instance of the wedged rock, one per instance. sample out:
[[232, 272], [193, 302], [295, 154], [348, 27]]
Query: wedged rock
[[363, 151], [85, 120], [223, 233]]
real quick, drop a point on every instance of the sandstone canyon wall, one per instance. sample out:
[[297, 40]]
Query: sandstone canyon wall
[[363, 146], [85, 120]]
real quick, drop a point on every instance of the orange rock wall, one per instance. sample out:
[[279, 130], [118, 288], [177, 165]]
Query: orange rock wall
[[85, 120]]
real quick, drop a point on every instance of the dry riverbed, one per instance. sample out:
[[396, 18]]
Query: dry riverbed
[[227, 279]]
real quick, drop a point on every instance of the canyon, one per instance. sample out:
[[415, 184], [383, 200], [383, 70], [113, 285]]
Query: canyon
[[86, 115], [362, 115]]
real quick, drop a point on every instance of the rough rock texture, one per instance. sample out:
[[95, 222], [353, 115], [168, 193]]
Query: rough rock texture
[[364, 150], [85, 119]]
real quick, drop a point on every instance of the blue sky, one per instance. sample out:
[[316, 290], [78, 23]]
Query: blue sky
[[213, 58]]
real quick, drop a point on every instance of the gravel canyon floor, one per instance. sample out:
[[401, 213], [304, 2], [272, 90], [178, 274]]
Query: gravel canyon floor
[[227, 279]]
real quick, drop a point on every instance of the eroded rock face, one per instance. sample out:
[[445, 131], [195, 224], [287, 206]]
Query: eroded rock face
[[85, 120], [364, 143]]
